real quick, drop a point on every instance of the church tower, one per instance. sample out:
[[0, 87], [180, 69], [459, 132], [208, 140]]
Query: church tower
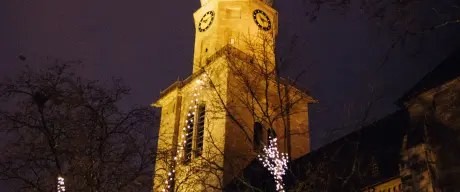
[[222, 22], [215, 122]]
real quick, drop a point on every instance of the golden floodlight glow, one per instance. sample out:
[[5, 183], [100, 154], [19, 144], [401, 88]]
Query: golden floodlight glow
[[194, 102]]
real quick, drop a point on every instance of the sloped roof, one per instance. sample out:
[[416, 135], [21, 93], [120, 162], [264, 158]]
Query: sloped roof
[[448, 70]]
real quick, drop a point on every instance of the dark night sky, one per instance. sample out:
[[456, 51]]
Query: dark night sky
[[150, 44]]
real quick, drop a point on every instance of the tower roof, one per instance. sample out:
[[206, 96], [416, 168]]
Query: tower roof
[[448, 70]]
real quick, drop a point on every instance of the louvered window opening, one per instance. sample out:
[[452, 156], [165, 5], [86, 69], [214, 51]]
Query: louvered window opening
[[189, 137], [200, 130]]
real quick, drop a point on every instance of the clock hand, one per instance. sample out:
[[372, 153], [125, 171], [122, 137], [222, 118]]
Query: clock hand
[[263, 20]]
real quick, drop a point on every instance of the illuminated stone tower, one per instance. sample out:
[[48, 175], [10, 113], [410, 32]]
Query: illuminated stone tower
[[208, 132]]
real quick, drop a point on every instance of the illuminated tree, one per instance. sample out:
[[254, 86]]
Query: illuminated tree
[[275, 162]]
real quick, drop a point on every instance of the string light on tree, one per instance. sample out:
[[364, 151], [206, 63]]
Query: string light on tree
[[275, 162], [180, 145], [60, 184]]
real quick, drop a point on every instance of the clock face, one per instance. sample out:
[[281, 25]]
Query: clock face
[[262, 20], [206, 21]]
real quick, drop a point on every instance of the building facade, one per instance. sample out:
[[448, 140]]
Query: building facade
[[432, 143], [215, 122]]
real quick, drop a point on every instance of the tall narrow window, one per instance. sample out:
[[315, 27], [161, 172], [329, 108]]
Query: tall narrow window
[[200, 129], [374, 167], [257, 140], [189, 137]]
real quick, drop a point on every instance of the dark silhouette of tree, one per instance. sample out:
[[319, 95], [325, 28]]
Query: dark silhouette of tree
[[58, 124]]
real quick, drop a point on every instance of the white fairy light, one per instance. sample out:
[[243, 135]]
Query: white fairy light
[[275, 162], [60, 184], [181, 145]]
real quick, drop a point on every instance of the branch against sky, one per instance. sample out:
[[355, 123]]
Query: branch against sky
[[59, 124], [251, 92], [257, 94], [254, 80], [323, 174], [403, 21], [392, 13]]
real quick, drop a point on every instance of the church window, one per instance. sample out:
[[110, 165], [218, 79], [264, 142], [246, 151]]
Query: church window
[[194, 134], [200, 129], [189, 137], [374, 167]]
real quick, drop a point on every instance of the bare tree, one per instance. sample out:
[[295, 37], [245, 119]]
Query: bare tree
[[394, 14], [246, 101], [406, 22], [337, 166], [429, 133], [254, 92], [60, 125]]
